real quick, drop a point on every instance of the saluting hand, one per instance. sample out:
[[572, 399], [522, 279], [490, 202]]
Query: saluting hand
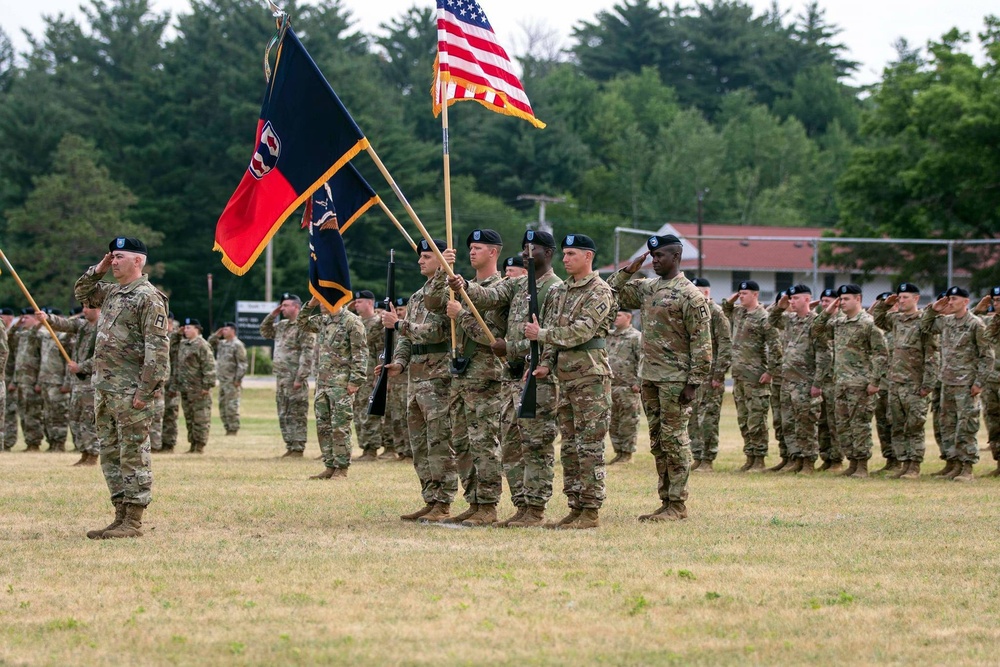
[[783, 302], [833, 307], [940, 305], [104, 264], [637, 263]]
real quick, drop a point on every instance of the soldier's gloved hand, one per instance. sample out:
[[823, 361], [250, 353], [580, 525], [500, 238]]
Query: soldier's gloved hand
[[499, 347], [924, 392], [687, 394]]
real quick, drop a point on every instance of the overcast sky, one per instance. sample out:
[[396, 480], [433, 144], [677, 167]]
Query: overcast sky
[[870, 26]]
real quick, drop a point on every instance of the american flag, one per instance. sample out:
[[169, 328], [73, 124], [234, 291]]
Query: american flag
[[471, 65]]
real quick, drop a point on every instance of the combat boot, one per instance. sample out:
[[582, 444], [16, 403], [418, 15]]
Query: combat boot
[[757, 465], [119, 517], [440, 512], [166, 449], [518, 515], [808, 465], [901, 470], [413, 516], [569, 518], [587, 519], [949, 466], [84, 460], [851, 469], [891, 465], [676, 511], [955, 471], [533, 517], [781, 465], [912, 471], [616, 459], [131, 525], [467, 514], [626, 458], [660, 510], [388, 456], [340, 473], [695, 465], [326, 474], [835, 466], [57, 447], [746, 466], [793, 466], [965, 474], [861, 470], [367, 455], [485, 516], [37, 447], [292, 454], [706, 466], [994, 473]]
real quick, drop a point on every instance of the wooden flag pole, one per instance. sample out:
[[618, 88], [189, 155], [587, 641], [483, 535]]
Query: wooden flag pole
[[385, 209], [447, 204], [34, 305]]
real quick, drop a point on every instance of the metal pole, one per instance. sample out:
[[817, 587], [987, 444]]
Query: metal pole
[[617, 247], [815, 285], [701, 195], [951, 262], [268, 264]]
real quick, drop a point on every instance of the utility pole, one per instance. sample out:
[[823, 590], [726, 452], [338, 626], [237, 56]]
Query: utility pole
[[701, 196], [543, 224]]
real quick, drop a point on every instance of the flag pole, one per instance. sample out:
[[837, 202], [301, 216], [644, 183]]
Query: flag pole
[[447, 201], [385, 209], [34, 305]]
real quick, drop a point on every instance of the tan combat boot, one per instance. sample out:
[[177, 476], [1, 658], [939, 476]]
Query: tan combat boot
[[956, 470], [851, 469], [660, 510], [891, 465], [588, 519], [326, 474], [676, 511], [518, 515], [861, 470], [808, 465], [706, 466], [34, 448], [533, 517], [131, 525], [388, 456], [292, 454], [793, 466], [367, 455], [485, 516], [948, 468], [119, 517], [440, 512], [994, 473], [835, 466], [912, 471], [616, 459], [900, 471], [166, 449], [696, 464], [626, 458], [340, 473], [747, 465], [757, 465], [459, 518], [413, 516], [569, 518], [84, 460], [965, 474], [780, 465]]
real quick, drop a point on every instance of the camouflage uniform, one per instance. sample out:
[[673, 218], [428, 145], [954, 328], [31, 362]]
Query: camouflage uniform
[[803, 365], [4, 353], [883, 414], [395, 436], [859, 360], [676, 351], [706, 409], [343, 360], [293, 360], [829, 443], [55, 388], [527, 445], [991, 395], [167, 402], [10, 408], [623, 354], [196, 374], [369, 428], [966, 361], [913, 368], [573, 333], [81, 410], [29, 399], [130, 361], [231, 366], [753, 355]]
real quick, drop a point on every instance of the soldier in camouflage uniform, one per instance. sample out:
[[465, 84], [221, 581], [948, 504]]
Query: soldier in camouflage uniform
[[706, 408], [395, 435], [991, 387], [966, 364], [775, 400], [754, 344], [859, 361], [913, 371], [293, 361], [513, 267], [624, 343], [883, 414], [79, 372], [676, 360], [527, 445], [8, 315], [573, 333], [167, 401], [29, 392], [422, 351], [130, 363], [55, 387], [802, 368], [10, 408], [196, 374], [369, 428], [341, 369], [829, 445], [231, 367]]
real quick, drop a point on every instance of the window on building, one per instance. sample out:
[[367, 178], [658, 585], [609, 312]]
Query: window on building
[[830, 281], [738, 277], [783, 280]]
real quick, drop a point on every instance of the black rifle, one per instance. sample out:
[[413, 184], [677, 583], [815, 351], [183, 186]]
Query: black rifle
[[529, 395], [377, 399]]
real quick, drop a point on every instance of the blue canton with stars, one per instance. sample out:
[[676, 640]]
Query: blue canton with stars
[[468, 11]]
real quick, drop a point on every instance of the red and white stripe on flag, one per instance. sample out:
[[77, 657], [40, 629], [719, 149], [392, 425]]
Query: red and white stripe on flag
[[471, 64]]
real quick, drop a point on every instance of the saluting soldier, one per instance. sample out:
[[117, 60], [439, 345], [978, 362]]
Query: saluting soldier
[[196, 374], [55, 387], [986, 309], [624, 344], [706, 408], [292, 363], [883, 413], [29, 392], [231, 367], [829, 445]]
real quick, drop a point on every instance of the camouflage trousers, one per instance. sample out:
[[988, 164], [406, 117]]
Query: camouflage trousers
[[10, 419], [853, 409], [909, 414], [752, 402], [829, 444], [55, 414], [583, 413], [476, 406], [703, 426], [334, 411], [777, 418], [528, 445], [430, 434], [960, 423], [81, 419], [395, 436], [991, 415], [668, 438], [293, 409], [123, 435], [229, 405], [165, 421], [197, 406], [800, 417], [883, 423], [624, 419], [29, 408], [936, 420], [3, 414], [368, 428]]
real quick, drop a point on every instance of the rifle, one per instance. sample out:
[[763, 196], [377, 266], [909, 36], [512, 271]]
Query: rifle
[[377, 399], [529, 394]]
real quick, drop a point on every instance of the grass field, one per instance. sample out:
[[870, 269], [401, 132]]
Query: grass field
[[245, 561]]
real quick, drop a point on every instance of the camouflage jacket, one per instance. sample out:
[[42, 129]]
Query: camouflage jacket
[[676, 327], [722, 343], [131, 351], [472, 342], [342, 345], [624, 347], [4, 349], [510, 295], [803, 354], [914, 358], [195, 365], [375, 336], [11, 335], [859, 353], [52, 369], [230, 359], [755, 344], [293, 348], [966, 349], [174, 342], [29, 357], [584, 311], [422, 345], [988, 321], [85, 339]]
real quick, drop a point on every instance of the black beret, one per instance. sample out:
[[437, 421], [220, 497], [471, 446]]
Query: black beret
[[907, 288], [401, 301], [28, 311], [170, 315], [883, 296], [422, 247], [231, 325], [128, 244], [538, 238], [516, 260], [76, 310], [190, 321], [701, 282], [799, 289], [657, 241], [364, 294], [749, 285], [830, 292], [52, 311], [579, 241], [622, 309], [995, 291], [849, 288], [288, 296], [486, 236], [958, 291], [6, 311]]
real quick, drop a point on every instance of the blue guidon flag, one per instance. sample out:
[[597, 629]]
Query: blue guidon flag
[[330, 212], [304, 136]]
